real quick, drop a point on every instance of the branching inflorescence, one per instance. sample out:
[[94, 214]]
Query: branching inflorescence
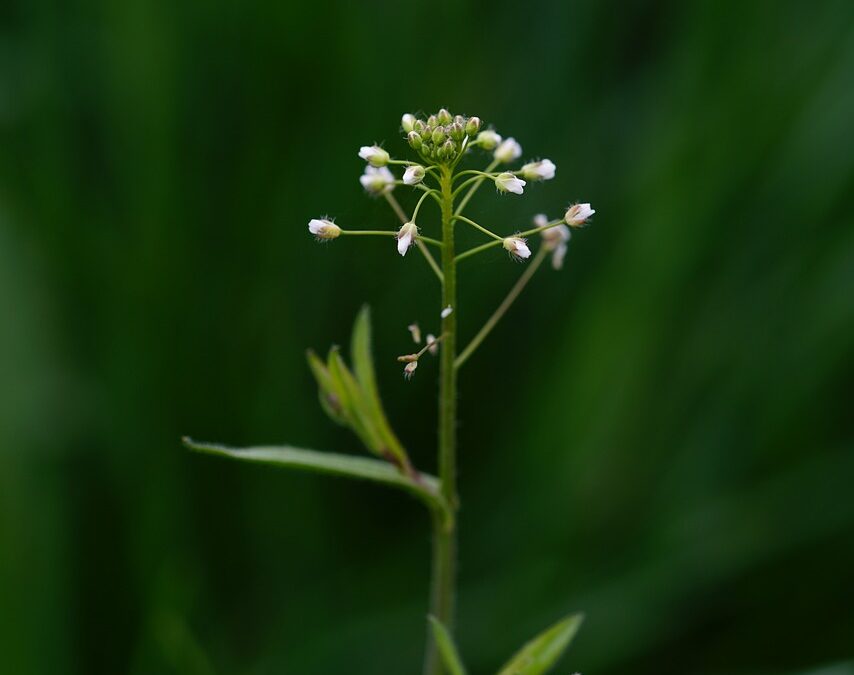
[[350, 395]]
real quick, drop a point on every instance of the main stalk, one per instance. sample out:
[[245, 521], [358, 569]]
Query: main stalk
[[444, 536]]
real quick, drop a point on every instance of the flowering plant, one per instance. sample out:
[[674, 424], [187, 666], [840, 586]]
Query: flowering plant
[[350, 394]]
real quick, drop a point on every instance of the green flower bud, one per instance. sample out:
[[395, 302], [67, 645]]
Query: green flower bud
[[444, 117], [473, 126], [432, 121], [419, 126], [414, 139], [457, 132], [407, 122], [438, 135], [450, 149]]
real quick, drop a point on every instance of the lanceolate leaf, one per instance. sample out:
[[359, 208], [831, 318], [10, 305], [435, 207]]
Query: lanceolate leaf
[[330, 399], [447, 648], [541, 653], [378, 471], [363, 367]]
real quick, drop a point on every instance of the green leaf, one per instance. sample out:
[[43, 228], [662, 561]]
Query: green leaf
[[426, 488], [330, 399], [541, 653], [447, 648], [363, 367]]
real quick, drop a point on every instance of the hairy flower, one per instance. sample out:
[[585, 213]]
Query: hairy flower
[[578, 214], [374, 155], [507, 182], [414, 174], [517, 248], [323, 229], [508, 151], [406, 237], [542, 170], [409, 369], [377, 181]]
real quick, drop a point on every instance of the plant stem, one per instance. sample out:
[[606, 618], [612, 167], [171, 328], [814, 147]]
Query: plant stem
[[444, 537], [503, 307]]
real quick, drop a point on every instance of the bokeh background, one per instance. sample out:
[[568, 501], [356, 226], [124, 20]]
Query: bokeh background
[[660, 435]]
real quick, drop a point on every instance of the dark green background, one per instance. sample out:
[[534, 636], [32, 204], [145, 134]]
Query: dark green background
[[659, 435]]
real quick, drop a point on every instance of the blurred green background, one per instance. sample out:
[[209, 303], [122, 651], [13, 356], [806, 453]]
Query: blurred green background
[[660, 435]]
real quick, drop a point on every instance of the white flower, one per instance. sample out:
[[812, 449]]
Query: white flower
[[407, 122], [517, 248], [377, 181], [323, 229], [577, 214], [374, 155], [508, 151], [542, 170], [413, 175], [414, 329], [541, 220], [405, 237], [432, 344], [555, 240], [447, 312], [409, 369], [507, 182], [488, 139]]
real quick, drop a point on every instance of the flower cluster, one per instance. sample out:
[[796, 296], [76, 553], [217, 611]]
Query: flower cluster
[[440, 138]]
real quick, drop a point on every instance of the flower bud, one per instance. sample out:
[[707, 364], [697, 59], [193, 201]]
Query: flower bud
[[419, 126], [414, 174], [414, 139], [415, 331], [555, 239], [409, 369], [473, 126], [459, 119], [578, 214], [517, 248], [432, 121], [542, 170], [377, 181], [438, 135], [444, 117], [407, 122], [457, 132], [488, 139], [374, 155], [450, 149], [507, 182], [323, 229], [508, 151], [406, 237]]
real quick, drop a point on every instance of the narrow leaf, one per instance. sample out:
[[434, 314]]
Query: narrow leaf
[[447, 648], [541, 653], [330, 400], [363, 368], [375, 470]]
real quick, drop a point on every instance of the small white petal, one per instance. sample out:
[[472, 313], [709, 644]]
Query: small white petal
[[413, 174], [508, 151], [558, 256], [405, 236], [507, 182]]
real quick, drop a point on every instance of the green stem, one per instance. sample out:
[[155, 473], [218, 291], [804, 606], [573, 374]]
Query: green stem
[[503, 307], [444, 535], [473, 188]]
